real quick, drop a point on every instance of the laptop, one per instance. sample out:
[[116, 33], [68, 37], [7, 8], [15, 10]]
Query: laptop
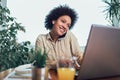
[[101, 57]]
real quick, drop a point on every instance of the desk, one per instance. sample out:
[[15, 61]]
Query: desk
[[13, 76], [53, 75]]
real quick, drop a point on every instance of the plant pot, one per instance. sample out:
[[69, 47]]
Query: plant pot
[[39, 73]]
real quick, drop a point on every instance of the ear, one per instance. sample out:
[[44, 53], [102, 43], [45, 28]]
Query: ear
[[53, 22]]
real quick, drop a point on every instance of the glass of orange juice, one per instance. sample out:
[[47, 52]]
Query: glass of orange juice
[[65, 69]]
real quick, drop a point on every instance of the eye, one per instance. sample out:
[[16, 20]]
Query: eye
[[63, 21], [68, 25]]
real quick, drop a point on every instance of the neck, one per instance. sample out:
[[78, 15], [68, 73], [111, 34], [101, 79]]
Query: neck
[[53, 36]]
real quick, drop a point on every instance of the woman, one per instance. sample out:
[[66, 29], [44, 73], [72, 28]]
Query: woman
[[59, 42]]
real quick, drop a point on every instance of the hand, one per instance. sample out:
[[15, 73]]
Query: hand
[[65, 63], [76, 65]]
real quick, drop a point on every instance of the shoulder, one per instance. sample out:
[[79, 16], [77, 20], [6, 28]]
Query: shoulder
[[71, 35], [41, 36]]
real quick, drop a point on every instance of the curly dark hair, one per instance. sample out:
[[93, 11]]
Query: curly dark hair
[[58, 12]]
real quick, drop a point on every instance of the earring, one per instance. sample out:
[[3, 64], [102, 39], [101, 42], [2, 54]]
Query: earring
[[53, 22]]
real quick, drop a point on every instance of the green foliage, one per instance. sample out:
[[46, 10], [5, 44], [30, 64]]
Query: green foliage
[[40, 59], [112, 10], [12, 53]]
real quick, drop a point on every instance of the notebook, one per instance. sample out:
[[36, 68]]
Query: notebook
[[101, 57]]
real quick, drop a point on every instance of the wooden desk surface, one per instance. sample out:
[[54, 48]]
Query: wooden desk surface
[[53, 75]]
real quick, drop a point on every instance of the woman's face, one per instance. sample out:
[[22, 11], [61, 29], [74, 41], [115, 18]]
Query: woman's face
[[61, 25]]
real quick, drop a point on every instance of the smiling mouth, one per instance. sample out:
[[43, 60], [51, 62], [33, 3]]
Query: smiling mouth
[[62, 30]]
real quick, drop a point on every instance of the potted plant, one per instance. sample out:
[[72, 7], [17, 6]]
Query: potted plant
[[12, 52], [112, 12], [39, 71]]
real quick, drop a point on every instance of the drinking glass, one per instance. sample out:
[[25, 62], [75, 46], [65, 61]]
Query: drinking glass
[[65, 69]]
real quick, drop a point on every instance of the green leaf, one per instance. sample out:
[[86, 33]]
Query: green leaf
[[40, 59]]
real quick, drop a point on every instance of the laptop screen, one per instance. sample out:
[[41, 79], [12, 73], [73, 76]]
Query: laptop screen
[[102, 53]]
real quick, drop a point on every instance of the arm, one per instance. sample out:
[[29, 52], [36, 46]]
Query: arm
[[41, 43], [75, 48]]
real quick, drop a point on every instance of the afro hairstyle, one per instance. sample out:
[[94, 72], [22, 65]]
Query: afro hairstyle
[[59, 11]]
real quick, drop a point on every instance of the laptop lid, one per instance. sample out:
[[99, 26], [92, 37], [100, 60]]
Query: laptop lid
[[102, 53]]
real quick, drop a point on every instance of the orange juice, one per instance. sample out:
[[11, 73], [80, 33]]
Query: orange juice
[[66, 73]]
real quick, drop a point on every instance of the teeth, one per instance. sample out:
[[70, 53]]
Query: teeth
[[62, 30]]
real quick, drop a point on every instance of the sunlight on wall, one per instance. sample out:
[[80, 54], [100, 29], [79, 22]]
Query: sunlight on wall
[[31, 14]]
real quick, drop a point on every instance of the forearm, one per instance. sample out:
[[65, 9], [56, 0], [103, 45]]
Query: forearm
[[51, 64]]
